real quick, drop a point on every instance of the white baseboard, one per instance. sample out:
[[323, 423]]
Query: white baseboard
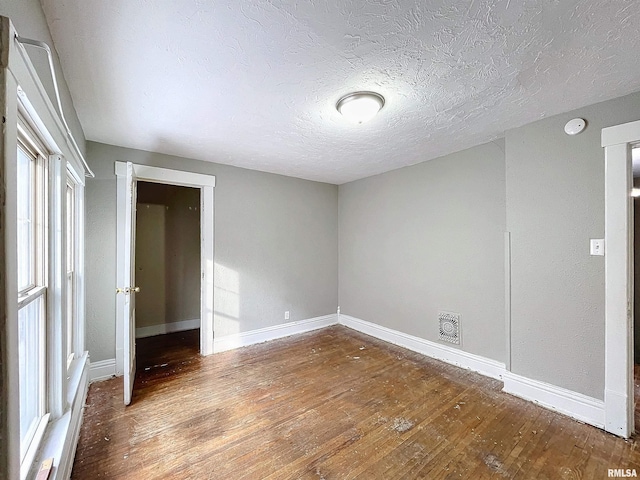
[[229, 342], [102, 370], [169, 327], [459, 358], [576, 405]]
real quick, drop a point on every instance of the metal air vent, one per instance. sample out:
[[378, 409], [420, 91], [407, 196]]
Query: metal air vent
[[449, 327]]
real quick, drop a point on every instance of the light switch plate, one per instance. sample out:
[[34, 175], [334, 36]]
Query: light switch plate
[[597, 246]]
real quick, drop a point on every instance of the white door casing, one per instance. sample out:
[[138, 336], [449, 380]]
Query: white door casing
[[125, 242], [618, 394]]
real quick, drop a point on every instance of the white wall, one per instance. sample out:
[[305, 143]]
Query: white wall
[[275, 245], [426, 238]]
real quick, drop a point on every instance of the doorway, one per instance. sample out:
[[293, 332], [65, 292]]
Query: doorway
[[618, 142], [128, 175], [167, 271]]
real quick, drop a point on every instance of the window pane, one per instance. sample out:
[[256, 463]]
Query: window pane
[[31, 350], [26, 220], [70, 297], [70, 227]]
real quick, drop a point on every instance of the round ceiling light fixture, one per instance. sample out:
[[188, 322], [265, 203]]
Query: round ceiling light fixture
[[359, 107]]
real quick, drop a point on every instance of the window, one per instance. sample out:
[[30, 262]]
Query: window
[[43, 274], [32, 290], [70, 247]]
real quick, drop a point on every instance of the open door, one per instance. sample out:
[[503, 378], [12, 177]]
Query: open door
[[127, 174], [130, 289]]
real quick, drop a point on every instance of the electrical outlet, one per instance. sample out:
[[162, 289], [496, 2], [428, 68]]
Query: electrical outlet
[[596, 246], [286, 315]]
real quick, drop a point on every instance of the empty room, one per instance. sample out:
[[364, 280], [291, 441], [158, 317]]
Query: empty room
[[276, 239]]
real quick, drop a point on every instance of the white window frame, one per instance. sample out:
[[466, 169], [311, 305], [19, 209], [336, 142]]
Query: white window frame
[[22, 93], [30, 143], [63, 378], [77, 338], [70, 267]]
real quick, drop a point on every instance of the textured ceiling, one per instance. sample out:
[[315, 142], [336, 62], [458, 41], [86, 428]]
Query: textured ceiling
[[255, 83]]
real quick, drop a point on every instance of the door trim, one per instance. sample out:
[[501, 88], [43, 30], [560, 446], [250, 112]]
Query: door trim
[[618, 393], [206, 184]]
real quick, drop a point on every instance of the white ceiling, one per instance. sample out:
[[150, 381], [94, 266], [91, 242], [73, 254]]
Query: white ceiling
[[255, 83]]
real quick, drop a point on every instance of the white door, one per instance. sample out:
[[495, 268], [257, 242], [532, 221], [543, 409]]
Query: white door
[[124, 327], [130, 288]]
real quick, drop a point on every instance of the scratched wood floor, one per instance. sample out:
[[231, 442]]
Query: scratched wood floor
[[330, 404]]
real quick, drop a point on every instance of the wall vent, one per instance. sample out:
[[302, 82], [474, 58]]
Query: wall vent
[[449, 327]]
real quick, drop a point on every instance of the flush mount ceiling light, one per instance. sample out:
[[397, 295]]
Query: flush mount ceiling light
[[358, 107]]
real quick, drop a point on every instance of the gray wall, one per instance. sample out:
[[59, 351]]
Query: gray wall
[[182, 259], [100, 267], [275, 237], [555, 204], [429, 237], [30, 22], [426, 238], [151, 302]]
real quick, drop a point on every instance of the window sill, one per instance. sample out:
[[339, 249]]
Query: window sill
[[30, 456], [61, 435], [75, 372]]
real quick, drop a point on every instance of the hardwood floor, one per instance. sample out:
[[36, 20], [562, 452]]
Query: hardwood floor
[[330, 404], [636, 397]]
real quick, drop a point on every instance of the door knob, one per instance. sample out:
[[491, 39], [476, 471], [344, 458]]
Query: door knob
[[128, 290]]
